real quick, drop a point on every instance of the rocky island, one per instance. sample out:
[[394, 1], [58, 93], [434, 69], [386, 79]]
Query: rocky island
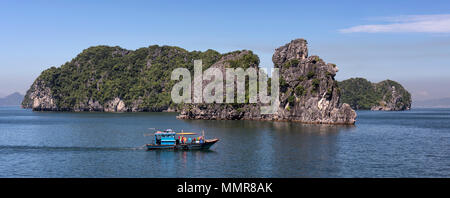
[[386, 95], [308, 92], [113, 79]]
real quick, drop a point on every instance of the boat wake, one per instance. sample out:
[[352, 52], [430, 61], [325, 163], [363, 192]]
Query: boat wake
[[67, 148]]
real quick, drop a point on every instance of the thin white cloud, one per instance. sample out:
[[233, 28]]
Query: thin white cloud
[[407, 23]]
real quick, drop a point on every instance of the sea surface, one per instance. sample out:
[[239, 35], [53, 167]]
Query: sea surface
[[412, 143]]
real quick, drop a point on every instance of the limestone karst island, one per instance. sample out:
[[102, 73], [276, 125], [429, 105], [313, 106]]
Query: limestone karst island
[[112, 79]]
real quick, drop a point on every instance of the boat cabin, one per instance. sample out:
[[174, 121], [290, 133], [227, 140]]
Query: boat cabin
[[166, 137]]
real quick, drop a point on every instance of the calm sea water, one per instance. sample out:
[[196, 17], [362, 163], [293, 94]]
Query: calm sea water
[[413, 143]]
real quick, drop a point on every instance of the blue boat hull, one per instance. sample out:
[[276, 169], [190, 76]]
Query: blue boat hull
[[192, 146]]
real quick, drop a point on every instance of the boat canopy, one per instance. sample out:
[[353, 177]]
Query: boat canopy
[[164, 133], [171, 132], [186, 133]]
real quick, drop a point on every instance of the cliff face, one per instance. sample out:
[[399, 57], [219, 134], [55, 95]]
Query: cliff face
[[225, 111], [39, 97], [393, 97], [308, 93], [387, 95]]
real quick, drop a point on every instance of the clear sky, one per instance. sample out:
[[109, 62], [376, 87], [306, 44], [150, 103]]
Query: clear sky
[[406, 41]]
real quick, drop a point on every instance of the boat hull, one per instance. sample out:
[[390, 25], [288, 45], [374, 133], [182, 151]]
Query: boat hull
[[192, 146]]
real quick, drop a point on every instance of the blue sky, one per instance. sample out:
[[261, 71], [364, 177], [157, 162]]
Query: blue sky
[[406, 41]]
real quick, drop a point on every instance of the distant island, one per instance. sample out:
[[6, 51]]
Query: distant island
[[386, 95], [14, 99], [113, 79]]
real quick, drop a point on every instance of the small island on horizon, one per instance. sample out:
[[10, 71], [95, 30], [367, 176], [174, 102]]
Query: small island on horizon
[[386, 95]]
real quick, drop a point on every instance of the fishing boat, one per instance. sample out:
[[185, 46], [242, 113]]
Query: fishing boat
[[169, 139]]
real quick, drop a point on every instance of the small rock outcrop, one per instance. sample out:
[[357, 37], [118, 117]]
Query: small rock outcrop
[[386, 95]]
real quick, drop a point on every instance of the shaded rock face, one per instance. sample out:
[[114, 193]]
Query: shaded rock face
[[394, 98], [224, 111], [308, 93], [39, 97]]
